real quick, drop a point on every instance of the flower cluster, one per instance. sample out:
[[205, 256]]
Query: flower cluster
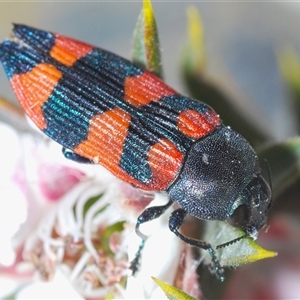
[[64, 218]]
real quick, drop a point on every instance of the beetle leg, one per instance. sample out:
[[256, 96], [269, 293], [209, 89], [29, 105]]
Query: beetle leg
[[148, 214], [176, 221], [75, 157]]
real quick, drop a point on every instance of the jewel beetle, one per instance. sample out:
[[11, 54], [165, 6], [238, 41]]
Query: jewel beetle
[[104, 109]]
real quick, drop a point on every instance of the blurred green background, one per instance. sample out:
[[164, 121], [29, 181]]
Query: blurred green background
[[241, 41]]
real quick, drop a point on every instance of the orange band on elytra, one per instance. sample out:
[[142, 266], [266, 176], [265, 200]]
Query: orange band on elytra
[[34, 88], [67, 51], [143, 89], [197, 125], [165, 161], [106, 137]]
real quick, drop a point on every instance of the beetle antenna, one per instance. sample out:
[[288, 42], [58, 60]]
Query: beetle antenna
[[269, 174], [231, 242], [270, 180]]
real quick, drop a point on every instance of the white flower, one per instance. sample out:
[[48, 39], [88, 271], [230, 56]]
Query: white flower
[[76, 220]]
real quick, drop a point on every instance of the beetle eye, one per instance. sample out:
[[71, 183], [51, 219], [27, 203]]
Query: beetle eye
[[240, 217]]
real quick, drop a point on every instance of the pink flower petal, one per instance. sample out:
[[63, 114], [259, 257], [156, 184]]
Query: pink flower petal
[[56, 180]]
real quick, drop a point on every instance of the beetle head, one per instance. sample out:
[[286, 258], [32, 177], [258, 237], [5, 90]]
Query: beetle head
[[251, 208]]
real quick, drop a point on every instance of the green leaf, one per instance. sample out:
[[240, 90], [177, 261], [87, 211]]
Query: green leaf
[[284, 161], [194, 52], [90, 202], [289, 66], [238, 253], [171, 292], [146, 51], [106, 234], [200, 87]]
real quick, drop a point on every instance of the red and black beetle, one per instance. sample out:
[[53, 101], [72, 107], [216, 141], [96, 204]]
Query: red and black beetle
[[103, 109]]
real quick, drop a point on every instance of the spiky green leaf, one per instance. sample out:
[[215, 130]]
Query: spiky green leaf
[[146, 51], [172, 292]]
